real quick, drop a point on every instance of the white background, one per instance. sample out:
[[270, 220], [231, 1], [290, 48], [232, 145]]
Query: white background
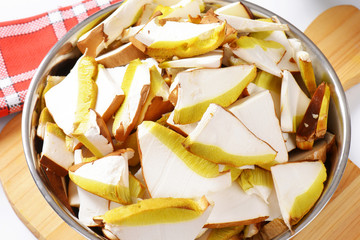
[[299, 12]]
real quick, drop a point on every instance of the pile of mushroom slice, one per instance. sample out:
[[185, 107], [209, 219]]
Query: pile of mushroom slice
[[186, 119]]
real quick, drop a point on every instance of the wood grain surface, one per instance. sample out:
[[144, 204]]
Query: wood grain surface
[[336, 32]]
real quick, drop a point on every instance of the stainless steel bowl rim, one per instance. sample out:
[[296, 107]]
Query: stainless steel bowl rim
[[86, 232]]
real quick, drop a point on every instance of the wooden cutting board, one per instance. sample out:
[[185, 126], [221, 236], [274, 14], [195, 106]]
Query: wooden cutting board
[[336, 32]]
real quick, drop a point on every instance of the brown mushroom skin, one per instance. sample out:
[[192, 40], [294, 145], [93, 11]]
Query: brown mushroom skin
[[306, 133]]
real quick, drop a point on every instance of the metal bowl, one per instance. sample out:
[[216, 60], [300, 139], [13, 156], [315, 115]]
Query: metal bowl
[[62, 57]]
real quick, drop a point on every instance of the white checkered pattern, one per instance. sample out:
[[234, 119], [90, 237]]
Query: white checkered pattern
[[79, 9], [55, 17], [4, 83], [103, 2]]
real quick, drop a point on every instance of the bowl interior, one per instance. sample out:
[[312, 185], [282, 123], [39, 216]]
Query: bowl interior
[[62, 57]]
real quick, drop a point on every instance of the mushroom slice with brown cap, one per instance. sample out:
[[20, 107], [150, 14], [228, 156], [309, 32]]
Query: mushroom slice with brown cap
[[212, 141], [136, 86], [58, 187], [318, 152], [314, 123], [55, 155], [294, 103], [73, 112], [181, 39], [233, 207], [107, 177], [183, 129], [298, 186], [257, 113], [109, 96], [61, 100], [88, 126], [157, 102], [120, 56], [242, 24], [94, 135], [91, 206], [158, 219], [101, 36], [264, 54], [196, 89], [184, 174], [287, 62], [304, 63]]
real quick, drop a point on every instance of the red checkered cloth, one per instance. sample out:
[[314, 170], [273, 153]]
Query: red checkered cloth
[[24, 43]]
